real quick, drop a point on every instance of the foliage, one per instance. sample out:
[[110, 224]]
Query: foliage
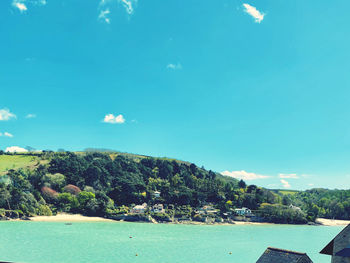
[[113, 182]]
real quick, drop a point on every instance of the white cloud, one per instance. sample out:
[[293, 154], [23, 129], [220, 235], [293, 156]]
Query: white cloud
[[6, 115], [110, 118], [128, 5], [256, 14], [285, 183], [174, 66], [244, 175], [290, 176], [310, 184], [17, 149], [7, 134], [20, 5], [30, 116], [104, 16]]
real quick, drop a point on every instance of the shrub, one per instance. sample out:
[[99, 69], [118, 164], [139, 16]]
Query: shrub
[[72, 189]]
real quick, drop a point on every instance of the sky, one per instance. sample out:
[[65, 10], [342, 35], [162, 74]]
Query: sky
[[257, 90]]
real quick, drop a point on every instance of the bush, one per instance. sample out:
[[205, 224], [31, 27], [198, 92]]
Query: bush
[[161, 217], [72, 189]]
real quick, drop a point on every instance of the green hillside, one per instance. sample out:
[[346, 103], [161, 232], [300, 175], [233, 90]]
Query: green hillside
[[109, 183], [8, 162]]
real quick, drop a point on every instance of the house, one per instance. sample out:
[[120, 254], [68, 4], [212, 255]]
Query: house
[[294, 207], [277, 255], [207, 210], [158, 208], [139, 209], [156, 194], [339, 247], [243, 211]]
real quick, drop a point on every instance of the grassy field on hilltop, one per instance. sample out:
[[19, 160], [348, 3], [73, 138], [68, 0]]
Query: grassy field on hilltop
[[8, 162]]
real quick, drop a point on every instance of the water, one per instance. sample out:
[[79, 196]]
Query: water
[[48, 242]]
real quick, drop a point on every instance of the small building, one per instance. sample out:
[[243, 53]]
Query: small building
[[156, 194], [207, 210], [243, 211], [294, 207], [339, 247], [277, 255], [158, 208], [139, 209]]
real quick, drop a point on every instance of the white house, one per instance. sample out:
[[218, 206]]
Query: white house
[[158, 208], [295, 207], [207, 209], [243, 211], [156, 194], [139, 209]]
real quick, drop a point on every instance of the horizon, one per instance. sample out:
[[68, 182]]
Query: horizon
[[256, 91]]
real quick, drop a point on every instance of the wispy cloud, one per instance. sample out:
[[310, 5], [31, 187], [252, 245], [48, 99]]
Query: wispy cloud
[[30, 116], [256, 14], [110, 118], [105, 7], [7, 134], [290, 176], [128, 5], [103, 16], [285, 184], [6, 115], [244, 175], [173, 66]]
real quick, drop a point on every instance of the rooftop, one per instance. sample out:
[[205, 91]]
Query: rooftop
[[277, 255]]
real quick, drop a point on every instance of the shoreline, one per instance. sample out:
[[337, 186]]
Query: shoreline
[[63, 217]]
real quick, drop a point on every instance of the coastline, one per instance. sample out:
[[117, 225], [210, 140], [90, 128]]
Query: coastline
[[63, 217], [332, 222]]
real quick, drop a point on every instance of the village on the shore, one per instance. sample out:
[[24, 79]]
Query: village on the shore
[[207, 214]]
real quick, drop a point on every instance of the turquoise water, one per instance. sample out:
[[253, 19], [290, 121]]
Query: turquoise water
[[46, 242]]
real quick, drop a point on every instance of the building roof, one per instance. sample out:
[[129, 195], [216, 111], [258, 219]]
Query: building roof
[[277, 255], [328, 250], [344, 252]]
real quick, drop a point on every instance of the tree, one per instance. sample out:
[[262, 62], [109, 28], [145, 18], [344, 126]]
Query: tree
[[5, 196], [242, 184], [55, 181]]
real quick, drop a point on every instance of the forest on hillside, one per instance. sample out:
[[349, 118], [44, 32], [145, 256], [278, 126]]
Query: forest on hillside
[[109, 184]]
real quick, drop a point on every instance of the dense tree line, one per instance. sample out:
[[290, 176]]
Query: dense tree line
[[105, 184], [333, 204]]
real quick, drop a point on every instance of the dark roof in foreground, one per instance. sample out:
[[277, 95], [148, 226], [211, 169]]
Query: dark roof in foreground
[[277, 255], [328, 250], [344, 252]]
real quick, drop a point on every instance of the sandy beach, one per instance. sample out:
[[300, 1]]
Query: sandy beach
[[332, 222], [62, 217], [69, 218]]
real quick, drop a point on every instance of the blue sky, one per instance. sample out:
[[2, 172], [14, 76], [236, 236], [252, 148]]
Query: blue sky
[[259, 89]]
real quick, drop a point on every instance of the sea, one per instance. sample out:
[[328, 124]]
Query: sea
[[107, 242]]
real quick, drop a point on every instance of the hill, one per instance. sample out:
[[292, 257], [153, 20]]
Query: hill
[[109, 183]]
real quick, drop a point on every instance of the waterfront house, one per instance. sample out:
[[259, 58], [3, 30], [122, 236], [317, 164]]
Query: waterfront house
[[156, 194], [243, 211], [339, 247], [158, 208], [277, 255], [207, 210], [139, 209]]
